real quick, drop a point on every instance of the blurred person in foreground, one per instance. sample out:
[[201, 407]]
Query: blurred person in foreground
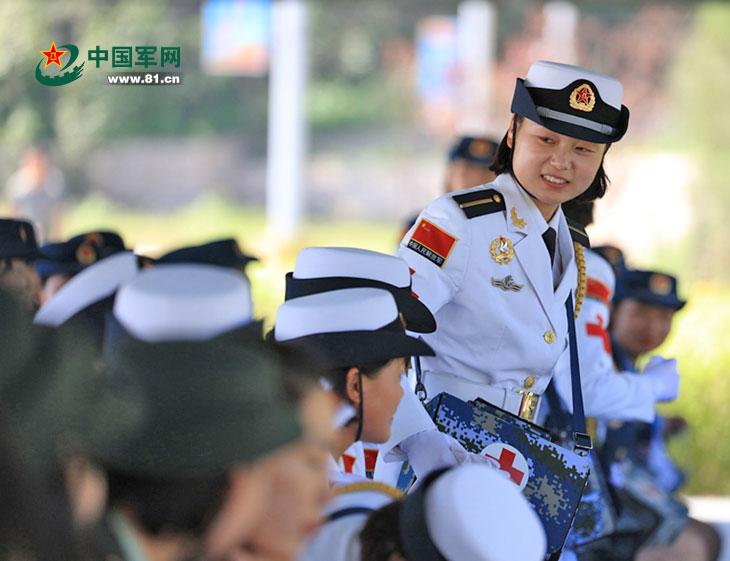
[[224, 467], [50, 397], [18, 253], [36, 191]]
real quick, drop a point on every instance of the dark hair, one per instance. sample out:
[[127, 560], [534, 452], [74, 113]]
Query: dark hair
[[579, 211], [338, 376], [503, 164], [170, 504], [300, 368], [380, 537]]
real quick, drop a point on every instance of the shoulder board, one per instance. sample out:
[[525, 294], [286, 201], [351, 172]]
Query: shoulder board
[[578, 233], [479, 203]]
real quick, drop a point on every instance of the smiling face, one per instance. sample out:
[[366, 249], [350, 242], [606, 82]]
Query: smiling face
[[552, 167]]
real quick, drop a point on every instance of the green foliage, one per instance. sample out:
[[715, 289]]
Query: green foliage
[[700, 343], [700, 81], [79, 116]]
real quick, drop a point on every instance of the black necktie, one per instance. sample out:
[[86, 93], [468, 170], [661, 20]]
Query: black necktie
[[549, 237]]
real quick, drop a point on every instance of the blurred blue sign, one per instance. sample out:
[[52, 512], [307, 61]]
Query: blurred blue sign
[[236, 37], [437, 59]]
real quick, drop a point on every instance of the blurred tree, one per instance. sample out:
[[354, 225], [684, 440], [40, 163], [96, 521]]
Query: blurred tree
[[77, 117], [700, 82]]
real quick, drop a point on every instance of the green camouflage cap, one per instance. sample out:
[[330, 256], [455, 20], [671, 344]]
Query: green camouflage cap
[[209, 405], [53, 393]]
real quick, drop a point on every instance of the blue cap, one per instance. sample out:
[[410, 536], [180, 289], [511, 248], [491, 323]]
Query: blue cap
[[650, 287], [72, 256], [17, 240], [478, 150], [224, 253]]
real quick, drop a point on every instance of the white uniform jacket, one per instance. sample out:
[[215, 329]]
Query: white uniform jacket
[[501, 321], [607, 394], [338, 538]]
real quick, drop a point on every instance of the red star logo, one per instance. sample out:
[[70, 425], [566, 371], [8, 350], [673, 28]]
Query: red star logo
[[53, 55], [583, 96]]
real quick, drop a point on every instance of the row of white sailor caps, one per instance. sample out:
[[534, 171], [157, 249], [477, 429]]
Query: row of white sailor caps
[[178, 302], [573, 101], [470, 512]]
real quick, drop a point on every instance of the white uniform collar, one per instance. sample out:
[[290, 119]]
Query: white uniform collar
[[523, 216]]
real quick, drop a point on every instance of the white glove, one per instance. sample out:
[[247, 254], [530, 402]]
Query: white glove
[[664, 378], [430, 450]]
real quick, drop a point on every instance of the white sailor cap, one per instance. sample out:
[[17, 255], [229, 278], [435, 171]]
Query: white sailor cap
[[347, 327], [470, 512], [183, 303], [94, 284], [573, 101], [319, 269]]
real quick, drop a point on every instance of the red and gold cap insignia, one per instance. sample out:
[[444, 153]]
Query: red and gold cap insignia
[[582, 98], [85, 254], [660, 284], [479, 148]]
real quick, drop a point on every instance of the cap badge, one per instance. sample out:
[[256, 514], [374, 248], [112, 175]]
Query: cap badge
[[660, 284], [22, 233], [502, 250], [507, 284], [85, 254], [582, 98], [516, 220], [479, 148]]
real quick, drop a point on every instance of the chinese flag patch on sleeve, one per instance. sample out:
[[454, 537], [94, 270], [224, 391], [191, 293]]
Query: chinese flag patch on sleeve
[[431, 242]]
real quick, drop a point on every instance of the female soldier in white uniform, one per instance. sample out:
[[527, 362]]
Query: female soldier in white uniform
[[496, 263]]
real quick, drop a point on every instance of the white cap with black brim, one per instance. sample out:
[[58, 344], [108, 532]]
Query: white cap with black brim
[[573, 101], [321, 269], [470, 512], [95, 283], [184, 302], [349, 327]]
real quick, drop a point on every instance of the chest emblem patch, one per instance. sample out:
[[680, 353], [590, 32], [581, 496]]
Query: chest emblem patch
[[502, 250]]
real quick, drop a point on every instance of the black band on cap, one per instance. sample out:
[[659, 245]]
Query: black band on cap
[[417, 543], [304, 287], [552, 109]]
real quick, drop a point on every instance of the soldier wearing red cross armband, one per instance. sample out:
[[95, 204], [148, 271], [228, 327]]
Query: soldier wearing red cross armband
[[609, 394]]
